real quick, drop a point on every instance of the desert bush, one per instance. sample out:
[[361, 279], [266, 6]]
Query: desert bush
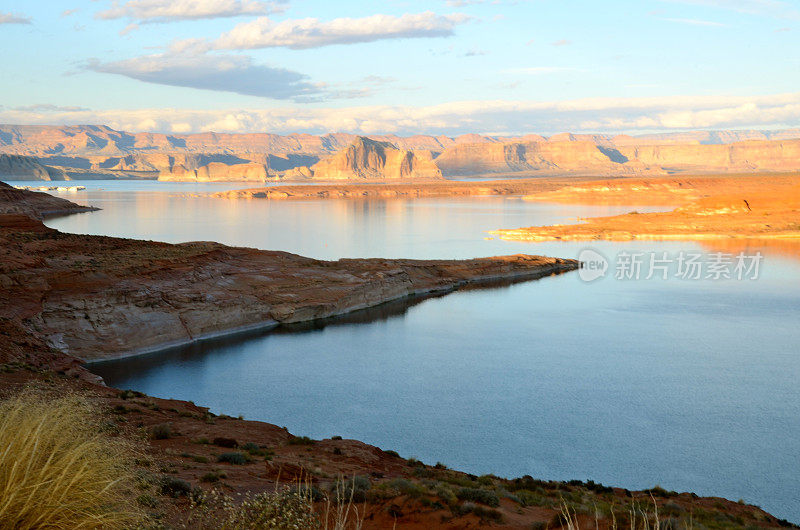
[[213, 476], [478, 495], [278, 510], [175, 487], [256, 450], [58, 469], [233, 458], [407, 487], [225, 442], [161, 432], [350, 490]]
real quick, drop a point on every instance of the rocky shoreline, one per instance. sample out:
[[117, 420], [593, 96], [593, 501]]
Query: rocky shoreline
[[403, 190], [99, 297]]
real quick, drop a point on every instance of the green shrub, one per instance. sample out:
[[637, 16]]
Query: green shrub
[[445, 492], [406, 487], [345, 489], [213, 476], [175, 487], [235, 458], [478, 495]]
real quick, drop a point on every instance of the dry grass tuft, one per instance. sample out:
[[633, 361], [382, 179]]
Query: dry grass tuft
[[59, 469]]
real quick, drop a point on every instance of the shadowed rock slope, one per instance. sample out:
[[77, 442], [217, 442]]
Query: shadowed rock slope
[[35, 204]]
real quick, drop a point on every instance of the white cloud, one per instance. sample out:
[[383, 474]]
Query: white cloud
[[188, 65], [147, 11], [47, 107], [607, 115], [10, 18], [313, 33]]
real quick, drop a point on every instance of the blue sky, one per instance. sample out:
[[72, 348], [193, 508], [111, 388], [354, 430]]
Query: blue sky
[[404, 67]]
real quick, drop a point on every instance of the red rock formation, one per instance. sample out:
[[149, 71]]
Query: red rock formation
[[366, 159]]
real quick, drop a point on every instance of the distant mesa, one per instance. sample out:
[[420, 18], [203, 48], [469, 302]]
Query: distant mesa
[[38, 152], [366, 159]]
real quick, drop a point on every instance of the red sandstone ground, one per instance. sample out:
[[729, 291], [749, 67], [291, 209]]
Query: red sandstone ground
[[765, 208]]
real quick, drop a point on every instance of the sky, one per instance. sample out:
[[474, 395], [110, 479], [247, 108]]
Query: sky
[[502, 67]]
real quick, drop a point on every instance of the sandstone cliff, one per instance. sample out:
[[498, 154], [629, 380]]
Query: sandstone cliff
[[568, 156], [366, 159], [15, 167], [88, 151], [216, 172]]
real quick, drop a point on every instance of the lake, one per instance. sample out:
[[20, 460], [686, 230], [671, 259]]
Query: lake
[[689, 384]]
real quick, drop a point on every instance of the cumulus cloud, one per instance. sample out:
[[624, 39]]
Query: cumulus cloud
[[189, 65], [605, 115], [10, 18], [313, 33], [149, 11]]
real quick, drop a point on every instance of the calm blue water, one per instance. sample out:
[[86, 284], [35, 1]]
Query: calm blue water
[[688, 384]]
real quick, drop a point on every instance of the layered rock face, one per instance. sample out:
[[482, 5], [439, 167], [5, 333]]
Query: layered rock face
[[748, 156], [599, 156], [15, 167], [549, 157], [216, 171], [86, 152], [366, 159]]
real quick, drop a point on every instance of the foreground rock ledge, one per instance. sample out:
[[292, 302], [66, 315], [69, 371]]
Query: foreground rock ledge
[[101, 297]]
